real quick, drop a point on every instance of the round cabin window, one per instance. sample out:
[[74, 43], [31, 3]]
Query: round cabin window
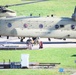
[[56, 26], [41, 26], [25, 25], [9, 25], [72, 26]]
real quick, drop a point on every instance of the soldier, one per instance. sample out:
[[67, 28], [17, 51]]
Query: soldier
[[29, 43], [40, 44]]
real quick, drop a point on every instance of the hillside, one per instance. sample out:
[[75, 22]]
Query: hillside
[[56, 7]]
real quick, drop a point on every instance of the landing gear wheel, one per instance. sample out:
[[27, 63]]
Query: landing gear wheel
[[7, 37], [21, 40], [49, 39]]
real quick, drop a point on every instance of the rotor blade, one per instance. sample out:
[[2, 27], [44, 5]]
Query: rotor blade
[[25, 3]]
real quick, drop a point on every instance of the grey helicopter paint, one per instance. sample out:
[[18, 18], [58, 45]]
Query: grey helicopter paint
[[47, 27]]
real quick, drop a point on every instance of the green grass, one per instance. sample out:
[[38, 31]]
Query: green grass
[[56, 7], [32, 72], [7, 2], [48, 55]]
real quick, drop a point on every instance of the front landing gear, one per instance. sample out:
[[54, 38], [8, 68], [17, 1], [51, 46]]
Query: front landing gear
[[21, 39]]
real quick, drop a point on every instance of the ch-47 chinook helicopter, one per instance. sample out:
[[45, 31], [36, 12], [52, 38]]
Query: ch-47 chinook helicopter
[[47, 27]]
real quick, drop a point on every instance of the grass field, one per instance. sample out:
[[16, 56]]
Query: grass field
[[61, 55], [57, 55], [56, 7], [51, 55], [32, 72]]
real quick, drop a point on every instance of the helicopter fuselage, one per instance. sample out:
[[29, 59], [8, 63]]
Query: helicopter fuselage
[[47, 27]]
